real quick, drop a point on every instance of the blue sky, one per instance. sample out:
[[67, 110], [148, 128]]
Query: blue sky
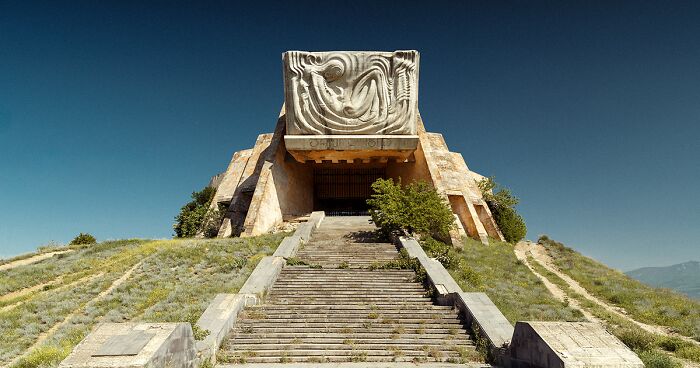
[[112, 112]]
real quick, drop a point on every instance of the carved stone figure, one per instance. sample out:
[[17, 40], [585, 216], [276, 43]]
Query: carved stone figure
[[351, 92]]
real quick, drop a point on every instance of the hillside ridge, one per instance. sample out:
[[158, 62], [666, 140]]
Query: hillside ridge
[[683, 277]]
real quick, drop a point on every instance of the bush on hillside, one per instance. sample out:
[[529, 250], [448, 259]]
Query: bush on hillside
[[83, 239], [414, 209], [195, 216], [502, 203]]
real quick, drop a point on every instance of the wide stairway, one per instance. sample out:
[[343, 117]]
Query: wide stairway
[[335, 309]]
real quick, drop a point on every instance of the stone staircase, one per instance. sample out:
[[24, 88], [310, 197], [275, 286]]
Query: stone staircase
[[336, 310]]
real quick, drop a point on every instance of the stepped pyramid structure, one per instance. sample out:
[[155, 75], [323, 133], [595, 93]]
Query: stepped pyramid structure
[[349, 118]]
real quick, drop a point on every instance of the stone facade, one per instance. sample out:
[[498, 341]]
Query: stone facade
[[320, 127]]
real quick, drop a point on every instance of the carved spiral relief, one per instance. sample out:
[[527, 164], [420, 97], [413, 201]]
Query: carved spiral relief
[[351, 92]]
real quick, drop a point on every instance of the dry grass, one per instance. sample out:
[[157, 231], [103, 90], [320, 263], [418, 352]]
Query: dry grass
[[176, 281]]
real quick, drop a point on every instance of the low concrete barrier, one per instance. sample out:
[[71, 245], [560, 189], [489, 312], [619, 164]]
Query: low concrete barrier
[[477, 308], [289, 247], [480, 312], [219, 318], [263, 276]]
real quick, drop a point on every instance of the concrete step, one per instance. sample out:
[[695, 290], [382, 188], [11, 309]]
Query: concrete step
[[346, 345], [278, 315], [339, 308], [342, 320], [347, 350], [333, 314], [279, 338]]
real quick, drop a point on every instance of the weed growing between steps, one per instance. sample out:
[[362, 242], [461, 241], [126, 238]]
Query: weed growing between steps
[[653, 349], [294, 261], [174, 282], [517, 292], [404, 262], [643, 303]]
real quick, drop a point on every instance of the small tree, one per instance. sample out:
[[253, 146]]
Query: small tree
[[415, 209], [502, 203], [195, 214], [83, 239]]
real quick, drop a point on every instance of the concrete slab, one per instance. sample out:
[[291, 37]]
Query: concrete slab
[[263, 276], [479, 309], [170, 345], [130, 343], [220, 317], [569, 344], [304, 231], [350, 147], [316, 218], [438, 276], [288, 247]]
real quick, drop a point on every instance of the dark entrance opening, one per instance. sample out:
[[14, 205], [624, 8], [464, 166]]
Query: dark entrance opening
[[344, 191]]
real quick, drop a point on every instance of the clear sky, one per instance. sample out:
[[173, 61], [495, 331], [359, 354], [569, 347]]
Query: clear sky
[[113, 112]]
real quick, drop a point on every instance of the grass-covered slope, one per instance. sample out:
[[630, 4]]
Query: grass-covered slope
[[51, 305], [517, 292], [662, 307]]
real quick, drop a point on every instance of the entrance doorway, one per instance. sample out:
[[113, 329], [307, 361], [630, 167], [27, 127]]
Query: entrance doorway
[[344, 191]]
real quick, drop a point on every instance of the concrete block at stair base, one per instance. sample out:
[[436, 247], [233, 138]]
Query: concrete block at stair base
[[220, 316], [316, 218], [288, 247], [568, 344], [479, 310], [263, 276], [304, 231], [152, 345]]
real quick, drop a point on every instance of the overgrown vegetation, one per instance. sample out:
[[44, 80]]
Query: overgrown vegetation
[[517, 292], [413, 209], [502, 203], [174, 281], [83, 239], [654, 350], [196, 217], [641, 302]]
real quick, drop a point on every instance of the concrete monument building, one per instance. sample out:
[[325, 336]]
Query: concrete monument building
[[349, 118]]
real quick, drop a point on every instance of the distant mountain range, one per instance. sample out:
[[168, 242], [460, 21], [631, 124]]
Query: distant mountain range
[[683, 277]]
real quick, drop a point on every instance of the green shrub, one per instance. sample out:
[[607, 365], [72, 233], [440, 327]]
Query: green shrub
[[195, 216], [657, 359], [502, 203], [82, 239], [636, 338], [414, 209], [444, 253]]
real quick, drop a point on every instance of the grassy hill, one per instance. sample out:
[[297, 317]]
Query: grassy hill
[[683, 277], [49, 306], [631, 304]]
